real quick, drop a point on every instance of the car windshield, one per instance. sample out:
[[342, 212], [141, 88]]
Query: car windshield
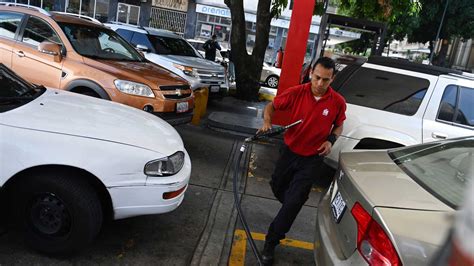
[[14, 91], [443, 168], [172, 46], [99, 43]]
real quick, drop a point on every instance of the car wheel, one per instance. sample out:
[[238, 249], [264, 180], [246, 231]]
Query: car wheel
[[60, 214], [272, 81]]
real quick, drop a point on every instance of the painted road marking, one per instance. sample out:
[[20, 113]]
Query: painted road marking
[[239, 246]]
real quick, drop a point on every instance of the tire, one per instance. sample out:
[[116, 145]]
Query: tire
[[272, 81], [59, 212]]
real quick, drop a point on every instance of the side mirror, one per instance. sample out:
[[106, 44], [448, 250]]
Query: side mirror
[[142, 48], [50, 48]]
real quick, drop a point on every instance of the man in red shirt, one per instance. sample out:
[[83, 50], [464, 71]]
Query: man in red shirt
[[323, 113]]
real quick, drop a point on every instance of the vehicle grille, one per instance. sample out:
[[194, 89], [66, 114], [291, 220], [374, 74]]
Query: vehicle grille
[[211, 77], [176, 92]]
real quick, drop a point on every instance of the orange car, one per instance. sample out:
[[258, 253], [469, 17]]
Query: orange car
[[79, 54]]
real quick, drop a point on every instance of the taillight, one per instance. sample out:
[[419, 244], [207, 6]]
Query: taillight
[[372, 242]]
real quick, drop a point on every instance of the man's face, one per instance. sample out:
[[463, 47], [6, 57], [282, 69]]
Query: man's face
[[321, 77]]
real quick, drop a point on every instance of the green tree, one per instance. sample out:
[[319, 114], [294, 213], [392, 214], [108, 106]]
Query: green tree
[[248, 67], [458, 22], [401, 16]]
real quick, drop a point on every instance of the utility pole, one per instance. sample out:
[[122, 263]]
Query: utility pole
[[439, 31]]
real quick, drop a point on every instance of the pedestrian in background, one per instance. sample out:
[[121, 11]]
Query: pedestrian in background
[[323, 113], [210, 47]]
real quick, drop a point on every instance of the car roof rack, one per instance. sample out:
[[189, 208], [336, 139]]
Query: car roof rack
[[79, 16], [464, 75], [128, 25], [39, 9], [412, 66]]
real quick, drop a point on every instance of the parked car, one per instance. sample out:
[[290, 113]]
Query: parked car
[[79, 54], [71, 161], [393, 207], [270, 75], [172, 52], [393, 103]]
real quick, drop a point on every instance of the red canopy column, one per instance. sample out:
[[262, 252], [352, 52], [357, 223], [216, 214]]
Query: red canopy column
[[294, 51]]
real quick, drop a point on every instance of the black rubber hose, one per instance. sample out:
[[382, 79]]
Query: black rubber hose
[[239, 210]]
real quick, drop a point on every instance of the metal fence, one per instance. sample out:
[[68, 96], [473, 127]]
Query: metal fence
[[166, 19]]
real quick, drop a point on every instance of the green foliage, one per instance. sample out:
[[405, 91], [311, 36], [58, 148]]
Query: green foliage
[[277, 7], [401, 16], [458, 21]]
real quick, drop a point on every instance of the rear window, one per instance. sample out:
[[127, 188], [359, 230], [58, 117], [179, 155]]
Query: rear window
[[443, 168], [386, 91]]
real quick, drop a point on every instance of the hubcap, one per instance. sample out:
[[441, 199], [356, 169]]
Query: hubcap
[[49, 215], [272, 82]]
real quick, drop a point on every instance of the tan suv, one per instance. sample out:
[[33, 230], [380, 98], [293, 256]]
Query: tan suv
[[72, 53]]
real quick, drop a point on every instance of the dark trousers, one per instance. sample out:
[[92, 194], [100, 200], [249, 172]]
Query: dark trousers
[[291, 183]]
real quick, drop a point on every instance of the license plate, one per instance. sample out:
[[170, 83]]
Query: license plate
[[182, 107], [215, 88], [338, 206]]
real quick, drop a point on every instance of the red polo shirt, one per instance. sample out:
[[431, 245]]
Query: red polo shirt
[[318, 117]]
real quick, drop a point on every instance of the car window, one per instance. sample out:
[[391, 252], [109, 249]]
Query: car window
[[14, 91], [38, 31], [383, 90], [99, 43], [457, 105], [465, 112], [447, 106], [443, 168], [126, 34], [140, 38], [172, 46], [9, 23]]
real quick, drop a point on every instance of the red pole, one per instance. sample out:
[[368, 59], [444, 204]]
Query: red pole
[[295, 50]]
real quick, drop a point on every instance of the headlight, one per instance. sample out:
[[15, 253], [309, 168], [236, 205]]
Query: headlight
[[165, 166], [187, 70], [134, 88]]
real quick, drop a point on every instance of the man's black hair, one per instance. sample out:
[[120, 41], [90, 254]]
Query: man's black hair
[[327, 63], [214, 36]]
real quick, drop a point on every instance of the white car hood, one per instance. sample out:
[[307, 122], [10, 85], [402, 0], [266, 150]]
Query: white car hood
[[72, 114], [196, 62]]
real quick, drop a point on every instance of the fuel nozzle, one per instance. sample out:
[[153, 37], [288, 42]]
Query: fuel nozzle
[[272, 132]]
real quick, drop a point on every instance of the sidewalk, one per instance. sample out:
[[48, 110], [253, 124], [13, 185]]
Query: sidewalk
[[237, 116]]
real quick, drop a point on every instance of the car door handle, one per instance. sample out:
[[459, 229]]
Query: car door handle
[[20, 53], [436, 135]]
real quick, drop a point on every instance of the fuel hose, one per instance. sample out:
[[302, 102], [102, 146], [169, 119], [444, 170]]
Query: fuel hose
[[237, 199]]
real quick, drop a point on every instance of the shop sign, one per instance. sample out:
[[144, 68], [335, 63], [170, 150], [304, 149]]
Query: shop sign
[[181, 5], [212, 10]]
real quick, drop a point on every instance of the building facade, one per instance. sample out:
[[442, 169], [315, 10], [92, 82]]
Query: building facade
[[193, 19]]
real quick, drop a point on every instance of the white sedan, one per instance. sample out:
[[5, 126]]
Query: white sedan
[[69, 161], [270, 75]]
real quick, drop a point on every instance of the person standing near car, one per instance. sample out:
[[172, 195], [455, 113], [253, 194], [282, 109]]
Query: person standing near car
[[323, 113], [210, 47]]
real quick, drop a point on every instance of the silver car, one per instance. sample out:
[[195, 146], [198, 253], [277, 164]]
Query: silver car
[[392, 207], [174, 53], [270, 75]]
